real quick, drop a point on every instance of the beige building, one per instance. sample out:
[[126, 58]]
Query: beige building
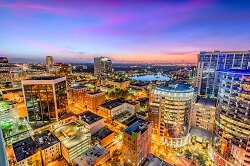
[[203, 114], [8, 111], [77, 93], [75, 139], [120, 84], [49, 145], [137, 142], [94, 156]]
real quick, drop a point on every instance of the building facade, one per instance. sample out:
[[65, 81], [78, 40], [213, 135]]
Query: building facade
[[49, 62], [45, 98], [137, 142], [203, 114], [176, 102], [232, 125], [4, 68], [3, 154], [8, 111], [210, 62], [102, 65], [94, 99]]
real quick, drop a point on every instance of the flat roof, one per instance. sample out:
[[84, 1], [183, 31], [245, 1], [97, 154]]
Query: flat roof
[[80, 86], [207, 102], [94, 92], [90, 156], [71, 134], [24, 148], [45, 139], [153, 160], [112, 104], [89, 117], [176, 88], [102, 133], [136, 127], [44, 78]]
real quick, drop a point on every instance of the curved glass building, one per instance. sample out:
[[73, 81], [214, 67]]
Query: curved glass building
[[232, 122], [176, 101]]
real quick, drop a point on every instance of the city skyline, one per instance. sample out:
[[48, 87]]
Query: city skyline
[[141, 31]]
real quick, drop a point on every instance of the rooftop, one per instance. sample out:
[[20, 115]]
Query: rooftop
[[24, 148], [145, 99], [153, 160], [94, 92], [71, 134], [90, 156], [176, 88], [136, 127], [205, 134], [45, 139], [237, 71], [79, 86], [89, 117], [102, 133], [112, 104], [207, 102], [45, 78]]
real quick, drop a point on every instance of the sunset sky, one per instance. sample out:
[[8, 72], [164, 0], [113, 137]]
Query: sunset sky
[[125, 31]]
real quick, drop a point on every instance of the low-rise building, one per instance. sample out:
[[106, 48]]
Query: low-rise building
[[119, 83], [49, 145], [137, 142], [114, 108], [27, 153], [75, 139], [94, 99], [94, 156], [144, 104], [94, 121], [104, 136]]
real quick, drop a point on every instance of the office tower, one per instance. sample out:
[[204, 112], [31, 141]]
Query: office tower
[[203, 114], [232, 124], [154, 115], [176, 101], [49, 62], [45, 99], [4, 68], [3, 155], [210, 62], [137, 142], [102, 66]]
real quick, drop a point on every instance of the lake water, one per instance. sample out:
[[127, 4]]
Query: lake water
[[150, 78]]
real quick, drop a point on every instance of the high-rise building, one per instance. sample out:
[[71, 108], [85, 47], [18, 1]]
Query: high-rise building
[[102, 65], [49, 62], [61, 69], [210, 62], [137, 142], [4, 68], [232, 120], [3, 155], [45, 99], [176, 102], [8, 111]]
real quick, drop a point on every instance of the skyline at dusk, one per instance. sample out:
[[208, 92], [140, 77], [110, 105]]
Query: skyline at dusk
[[142, 31]]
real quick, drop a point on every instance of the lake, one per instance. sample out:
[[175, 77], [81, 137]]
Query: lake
[[150, 78]]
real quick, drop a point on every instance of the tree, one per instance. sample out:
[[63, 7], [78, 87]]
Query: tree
[[201, 160], [188, 154]]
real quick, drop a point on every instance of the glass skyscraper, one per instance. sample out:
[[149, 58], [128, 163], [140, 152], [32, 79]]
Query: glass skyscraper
[[232, 124], [45, 99], [210, 62]]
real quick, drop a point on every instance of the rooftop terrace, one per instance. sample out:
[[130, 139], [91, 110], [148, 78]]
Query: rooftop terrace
[[71, 134], [45, 139], [102, 133], [136, 127], [89, 117]]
